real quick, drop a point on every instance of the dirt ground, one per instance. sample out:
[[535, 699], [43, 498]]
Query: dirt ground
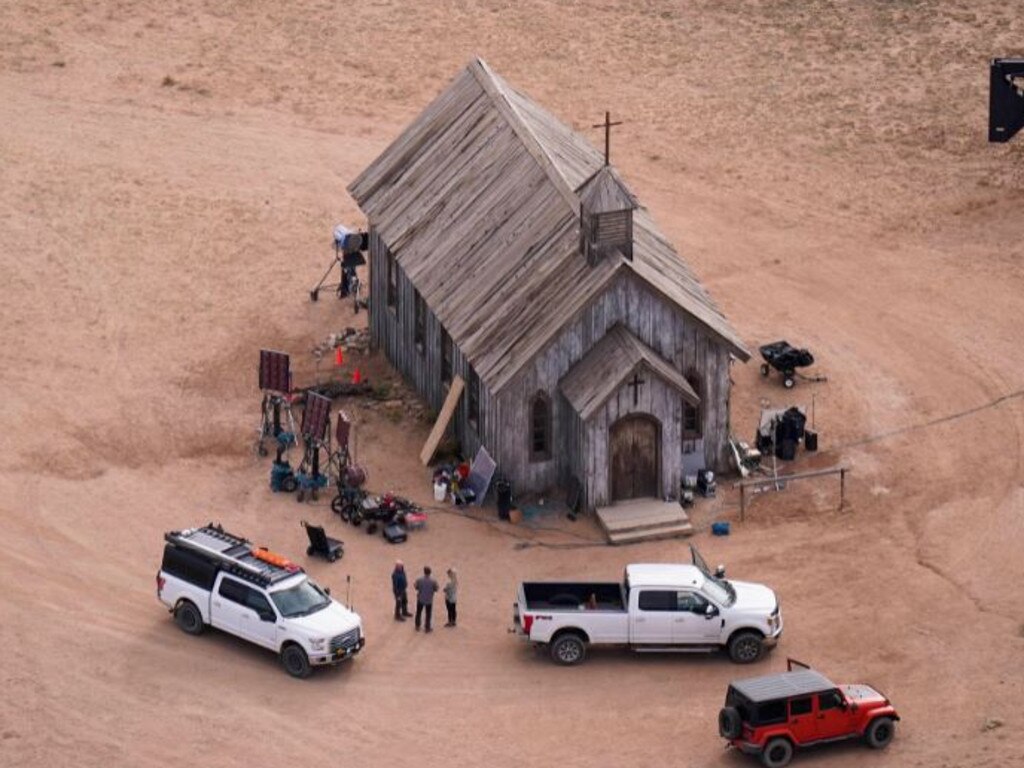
[[169, 176]]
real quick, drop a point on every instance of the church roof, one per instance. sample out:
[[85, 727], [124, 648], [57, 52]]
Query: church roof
[[479, 199], [609, 364]]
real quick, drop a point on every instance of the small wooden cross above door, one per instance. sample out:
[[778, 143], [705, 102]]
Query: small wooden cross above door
[[636, 383]]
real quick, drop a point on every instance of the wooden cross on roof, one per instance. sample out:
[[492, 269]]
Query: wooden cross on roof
[[607, 125]]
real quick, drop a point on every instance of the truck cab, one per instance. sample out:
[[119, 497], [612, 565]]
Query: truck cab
[[212, 578]]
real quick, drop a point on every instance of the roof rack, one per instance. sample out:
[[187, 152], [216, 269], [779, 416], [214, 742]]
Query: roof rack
[[233, 553]]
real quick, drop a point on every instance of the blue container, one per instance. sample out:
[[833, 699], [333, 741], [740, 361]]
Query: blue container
[[281, 477], [311, 482], [720, 529]]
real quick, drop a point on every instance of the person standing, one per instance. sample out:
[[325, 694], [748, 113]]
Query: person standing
[[399, 587], [451, 594], [426, 588]]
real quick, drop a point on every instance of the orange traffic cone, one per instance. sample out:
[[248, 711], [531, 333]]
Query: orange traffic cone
[[339, 358], [356, 376]]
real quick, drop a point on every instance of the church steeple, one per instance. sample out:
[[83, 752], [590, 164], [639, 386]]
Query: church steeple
[[606, 216]]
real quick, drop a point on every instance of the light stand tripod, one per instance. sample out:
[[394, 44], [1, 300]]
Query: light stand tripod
[[348, 248]]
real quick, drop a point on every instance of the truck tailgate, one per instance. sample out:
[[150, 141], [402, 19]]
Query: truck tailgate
[[518, 607]]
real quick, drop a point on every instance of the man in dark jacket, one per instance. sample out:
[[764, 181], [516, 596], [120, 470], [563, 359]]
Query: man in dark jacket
[[426, 588], [399, 585]]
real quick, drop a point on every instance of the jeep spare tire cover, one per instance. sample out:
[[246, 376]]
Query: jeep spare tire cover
[[729, 723]]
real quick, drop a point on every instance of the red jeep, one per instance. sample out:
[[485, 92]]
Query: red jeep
[[771, 715]]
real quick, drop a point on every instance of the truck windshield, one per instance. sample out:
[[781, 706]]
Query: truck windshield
[[301, 600], [719, 590]]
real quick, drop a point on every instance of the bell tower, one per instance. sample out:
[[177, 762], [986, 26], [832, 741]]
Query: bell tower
[[606, 217]]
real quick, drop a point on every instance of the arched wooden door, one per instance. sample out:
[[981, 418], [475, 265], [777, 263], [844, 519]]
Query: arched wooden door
[[634, 449]]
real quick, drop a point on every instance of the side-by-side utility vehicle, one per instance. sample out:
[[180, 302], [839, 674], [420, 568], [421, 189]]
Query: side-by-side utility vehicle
[[656, 608], [210, 577], [772, 715]]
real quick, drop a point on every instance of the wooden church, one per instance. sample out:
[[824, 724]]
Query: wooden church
[[504, 250]]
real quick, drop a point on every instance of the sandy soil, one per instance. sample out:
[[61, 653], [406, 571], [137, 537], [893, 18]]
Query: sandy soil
[[169, 176]]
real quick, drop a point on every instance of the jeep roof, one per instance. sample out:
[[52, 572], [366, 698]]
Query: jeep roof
[[782, 685]]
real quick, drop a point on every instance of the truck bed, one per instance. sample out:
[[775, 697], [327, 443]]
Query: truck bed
[[572, 595]]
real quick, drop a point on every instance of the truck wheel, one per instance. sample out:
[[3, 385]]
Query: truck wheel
[[880, 732], [295, 661], [188, 617], [746, 647], [730, 725], [568, 650], [777, 753]]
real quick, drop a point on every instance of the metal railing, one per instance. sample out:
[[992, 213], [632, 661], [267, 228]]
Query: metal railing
[[777, 480]]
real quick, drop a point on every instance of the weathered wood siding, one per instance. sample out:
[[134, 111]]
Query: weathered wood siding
[[670, 332], [656, 399], [579, 450], [392, 330], [570, 447], [478, 198]]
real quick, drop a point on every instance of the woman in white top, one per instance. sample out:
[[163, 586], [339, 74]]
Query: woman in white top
[[451, 593]]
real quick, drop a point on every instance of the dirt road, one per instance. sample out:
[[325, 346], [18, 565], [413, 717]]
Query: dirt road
[[169, 178]]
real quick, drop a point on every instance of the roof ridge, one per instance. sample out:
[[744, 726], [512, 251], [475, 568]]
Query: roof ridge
[[496, 92]]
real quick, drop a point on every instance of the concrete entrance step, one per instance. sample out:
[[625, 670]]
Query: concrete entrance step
[[670, 531], [643, 520], [615, 525]]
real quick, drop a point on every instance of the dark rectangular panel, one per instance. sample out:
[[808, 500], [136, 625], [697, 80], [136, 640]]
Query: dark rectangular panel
[[353, 260], [480, 474], [1005, 103], [316, 416], [275, 371]]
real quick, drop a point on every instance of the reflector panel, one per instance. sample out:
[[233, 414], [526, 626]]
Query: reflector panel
[[275, 371], [316, 416]]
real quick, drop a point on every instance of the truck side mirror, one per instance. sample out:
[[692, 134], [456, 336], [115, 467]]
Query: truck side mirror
[[267, 616], [720, 572], [710, 612]]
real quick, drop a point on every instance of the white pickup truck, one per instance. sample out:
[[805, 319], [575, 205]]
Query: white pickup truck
[[656, 608], [213, 578]]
